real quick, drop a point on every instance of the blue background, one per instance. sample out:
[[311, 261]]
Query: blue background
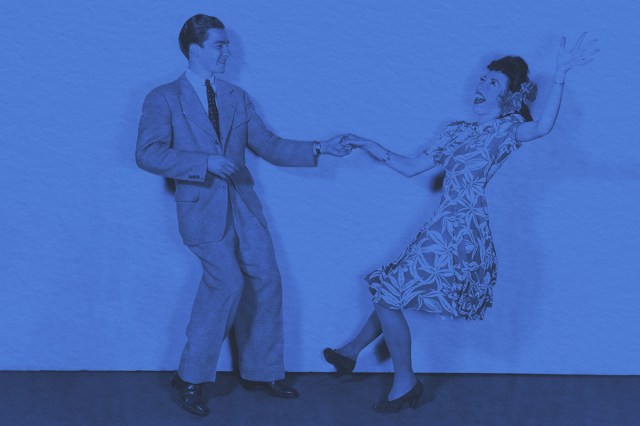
[[94, 275]]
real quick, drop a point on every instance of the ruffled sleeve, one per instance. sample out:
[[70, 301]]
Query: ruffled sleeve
[[504, 140], [448, 134]]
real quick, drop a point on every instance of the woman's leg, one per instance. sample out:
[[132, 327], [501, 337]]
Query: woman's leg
[[398, 339], [367, 334]]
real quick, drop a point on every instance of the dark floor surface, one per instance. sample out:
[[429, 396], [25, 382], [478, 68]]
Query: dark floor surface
[[144, 398]]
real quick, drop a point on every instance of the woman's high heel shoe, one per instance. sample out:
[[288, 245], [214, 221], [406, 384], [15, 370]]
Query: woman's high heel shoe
[[343, 364], [412, 397]]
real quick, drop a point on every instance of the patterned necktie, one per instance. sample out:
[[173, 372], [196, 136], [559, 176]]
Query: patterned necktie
[[213, 109]]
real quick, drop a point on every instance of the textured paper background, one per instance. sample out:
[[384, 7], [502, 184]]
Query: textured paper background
[[93, 272]]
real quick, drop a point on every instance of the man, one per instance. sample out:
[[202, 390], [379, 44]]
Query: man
[[195, 130]]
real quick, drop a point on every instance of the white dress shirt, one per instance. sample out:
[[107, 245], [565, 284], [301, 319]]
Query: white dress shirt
[[201, 90]]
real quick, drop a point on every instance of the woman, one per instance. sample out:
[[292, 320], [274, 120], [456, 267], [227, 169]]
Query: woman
[[450, 267]]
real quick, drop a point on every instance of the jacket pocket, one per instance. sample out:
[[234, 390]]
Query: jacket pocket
[[187, 193]]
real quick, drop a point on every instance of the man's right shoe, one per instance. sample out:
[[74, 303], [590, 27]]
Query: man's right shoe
[[189, 395], [343, 364]]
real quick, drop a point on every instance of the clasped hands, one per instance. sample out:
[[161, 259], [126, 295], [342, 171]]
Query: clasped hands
[[342, 145], [338, 146]]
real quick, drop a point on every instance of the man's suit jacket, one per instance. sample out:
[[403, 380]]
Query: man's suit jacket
[[175, 138]]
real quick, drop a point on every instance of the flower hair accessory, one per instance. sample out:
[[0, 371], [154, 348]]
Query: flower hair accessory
[[510, 102], [529, 92]]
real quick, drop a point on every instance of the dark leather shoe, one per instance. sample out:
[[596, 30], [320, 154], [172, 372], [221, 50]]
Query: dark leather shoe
[[189, 396], [277, 388], [343, 364]]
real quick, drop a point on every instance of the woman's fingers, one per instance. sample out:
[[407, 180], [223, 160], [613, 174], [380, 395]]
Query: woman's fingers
[[584, 58], [589, 53], [579, 42], [579, 54], [591, 43], [354, 140], [358, 144], [585, 61]]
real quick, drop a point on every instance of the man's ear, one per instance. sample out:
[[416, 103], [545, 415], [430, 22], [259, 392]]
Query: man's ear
[[194, 51]]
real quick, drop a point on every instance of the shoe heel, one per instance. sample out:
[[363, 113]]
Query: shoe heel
[[174, 381], [249, 387], [414, 402]]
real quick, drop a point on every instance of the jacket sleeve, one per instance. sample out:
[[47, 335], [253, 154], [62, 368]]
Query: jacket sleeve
[[274, 149], [154, 151]]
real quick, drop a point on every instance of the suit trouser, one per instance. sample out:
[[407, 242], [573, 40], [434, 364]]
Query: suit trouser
[[240, 287]]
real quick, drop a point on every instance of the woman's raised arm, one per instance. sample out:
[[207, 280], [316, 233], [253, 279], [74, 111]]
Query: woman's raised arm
[[579, 55]]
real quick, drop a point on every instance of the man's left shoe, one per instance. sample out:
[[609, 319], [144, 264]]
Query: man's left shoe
[[277, 388]]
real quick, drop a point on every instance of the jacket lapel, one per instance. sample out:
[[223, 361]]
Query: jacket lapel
[[226, 108], [192, 107]]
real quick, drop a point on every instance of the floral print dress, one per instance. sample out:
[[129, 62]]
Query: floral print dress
[[450, 267]]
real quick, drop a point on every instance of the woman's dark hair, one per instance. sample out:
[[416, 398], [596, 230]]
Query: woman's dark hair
[[517, 71], [194, 31]]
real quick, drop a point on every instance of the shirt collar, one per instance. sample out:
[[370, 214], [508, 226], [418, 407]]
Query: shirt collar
[[197, 81]]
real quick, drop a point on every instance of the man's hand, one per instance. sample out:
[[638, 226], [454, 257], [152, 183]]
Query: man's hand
[[335, 147], [221, 166]]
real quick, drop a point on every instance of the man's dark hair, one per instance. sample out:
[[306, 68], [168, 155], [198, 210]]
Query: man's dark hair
[[194, 31]]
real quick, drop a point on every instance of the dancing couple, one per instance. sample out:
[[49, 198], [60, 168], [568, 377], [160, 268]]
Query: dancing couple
[[196, 129]]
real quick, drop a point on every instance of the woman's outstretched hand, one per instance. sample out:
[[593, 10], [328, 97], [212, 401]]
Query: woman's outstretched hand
[[580, 54]]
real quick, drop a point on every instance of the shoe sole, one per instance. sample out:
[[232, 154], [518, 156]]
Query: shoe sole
[[275, 395], [187, 408]]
